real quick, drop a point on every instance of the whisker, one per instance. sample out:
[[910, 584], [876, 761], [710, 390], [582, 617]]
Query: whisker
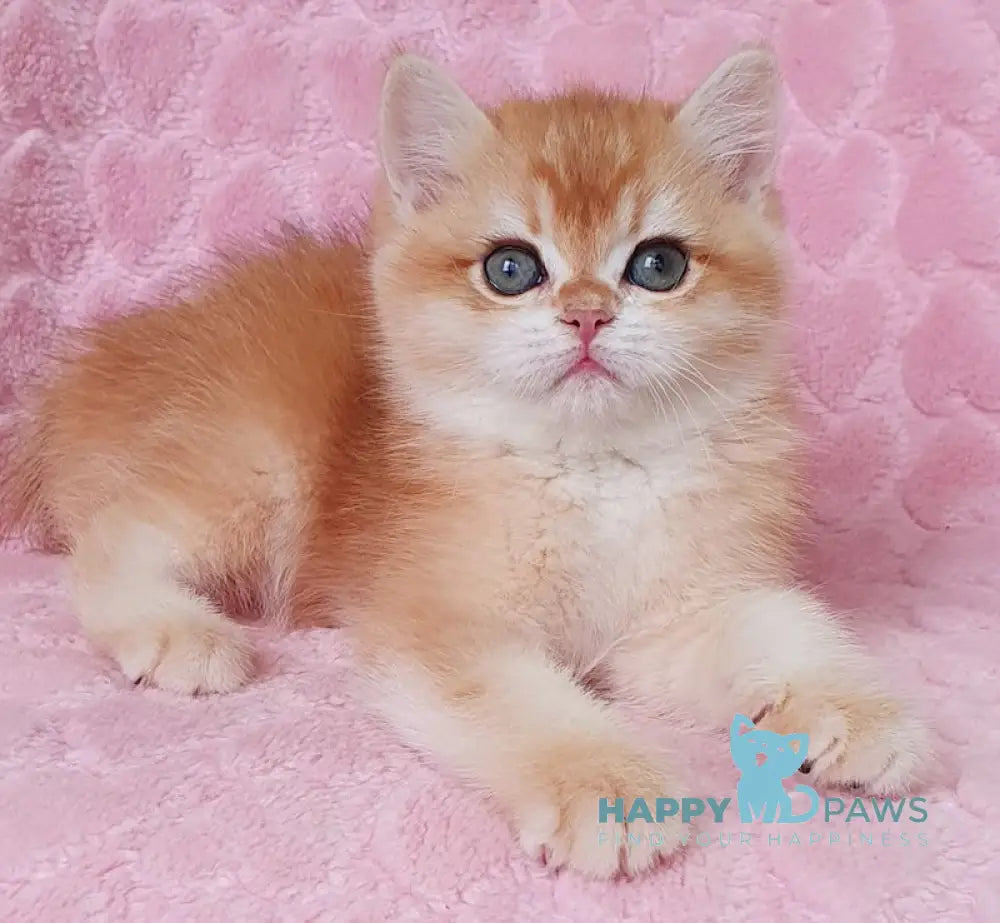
[[687, 373]]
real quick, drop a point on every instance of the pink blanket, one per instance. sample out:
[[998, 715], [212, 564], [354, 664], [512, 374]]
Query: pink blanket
[[138, 136]]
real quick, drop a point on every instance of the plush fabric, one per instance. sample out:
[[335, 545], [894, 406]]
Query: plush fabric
[[137, 137]]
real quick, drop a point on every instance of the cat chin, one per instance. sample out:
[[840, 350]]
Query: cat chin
[[583, 413], [592, 398]]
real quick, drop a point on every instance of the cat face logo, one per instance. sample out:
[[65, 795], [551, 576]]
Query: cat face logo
[[765, 759]]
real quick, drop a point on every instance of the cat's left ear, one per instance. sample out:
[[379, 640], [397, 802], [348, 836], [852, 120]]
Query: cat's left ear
[[731, 120], [428, 127], [802, 740]]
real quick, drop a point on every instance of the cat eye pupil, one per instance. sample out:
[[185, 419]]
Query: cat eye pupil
[[513, 270], [657, 265]]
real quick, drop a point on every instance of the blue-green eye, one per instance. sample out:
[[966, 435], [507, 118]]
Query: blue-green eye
[[512, 270], [657, 265]]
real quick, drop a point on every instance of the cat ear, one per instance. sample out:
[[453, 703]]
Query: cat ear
[[803, 743], [741, 724], [427, 126], [731, 120]]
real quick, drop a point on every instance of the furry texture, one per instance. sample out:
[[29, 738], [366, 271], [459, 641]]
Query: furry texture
[[506, 496]]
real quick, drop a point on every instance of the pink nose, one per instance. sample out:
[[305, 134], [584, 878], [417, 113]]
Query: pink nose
[[588, 322]]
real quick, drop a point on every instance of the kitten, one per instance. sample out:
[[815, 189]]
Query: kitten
[[535, 430]]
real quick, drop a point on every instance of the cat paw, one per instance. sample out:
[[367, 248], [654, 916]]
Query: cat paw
[[865, 740], [560, 822], [187, 657]]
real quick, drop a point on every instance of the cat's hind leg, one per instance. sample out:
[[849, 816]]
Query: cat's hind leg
[[134, 602]]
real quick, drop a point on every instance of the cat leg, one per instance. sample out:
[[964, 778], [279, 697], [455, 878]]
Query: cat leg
[[780, 656], [510, 721], [133, 604]]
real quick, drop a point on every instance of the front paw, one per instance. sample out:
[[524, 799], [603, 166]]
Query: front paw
[[558, 815], [863, 739], [186, 655]]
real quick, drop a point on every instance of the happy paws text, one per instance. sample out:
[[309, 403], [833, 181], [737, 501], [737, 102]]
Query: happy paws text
[[860, 810]]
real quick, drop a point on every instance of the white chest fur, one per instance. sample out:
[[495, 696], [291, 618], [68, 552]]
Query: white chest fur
[[594, 540]]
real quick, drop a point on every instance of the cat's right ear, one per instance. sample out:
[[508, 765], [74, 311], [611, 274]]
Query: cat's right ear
[[741, 724], [732, 120], [427, 128]]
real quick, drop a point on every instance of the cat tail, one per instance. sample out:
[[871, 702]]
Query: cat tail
[[810, 812], [24, 448], [20, 487], [22, 507]]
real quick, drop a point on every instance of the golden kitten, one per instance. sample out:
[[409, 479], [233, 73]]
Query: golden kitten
[[534, 433]]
